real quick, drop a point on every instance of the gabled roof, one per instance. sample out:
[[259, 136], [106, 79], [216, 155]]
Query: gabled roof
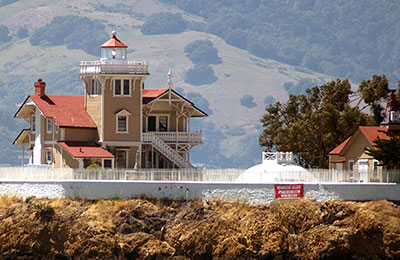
[[338, 149], [67, 111], [373, 132], [79, 149], [113, 43], [370, 132], [150, 95]]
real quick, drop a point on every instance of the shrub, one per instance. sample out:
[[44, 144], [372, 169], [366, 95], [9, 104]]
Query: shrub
[[202, 51], [200, 74], [164, 23], [22, 33], [4, 37], [44, 212], [247, 101]]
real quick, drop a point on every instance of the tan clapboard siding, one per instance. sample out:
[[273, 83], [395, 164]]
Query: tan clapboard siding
[[81, 134], [93, 107], [114, 104]]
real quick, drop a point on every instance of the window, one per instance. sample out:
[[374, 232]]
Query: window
[[49, 156], [56, 128], [351, 168], [376, 164], [163, 124], [151, 124], [121, 157], [122, 121], [122, 87], [94, 88], [157, 123], [49, 127], [33, 124], [122, 126], [107, 163]]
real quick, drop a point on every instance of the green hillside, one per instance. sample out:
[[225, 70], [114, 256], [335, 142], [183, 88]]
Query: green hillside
[[48, 39]]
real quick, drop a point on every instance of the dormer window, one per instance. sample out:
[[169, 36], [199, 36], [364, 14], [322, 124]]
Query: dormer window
[[122, 122], [94, 88], [122, 88]]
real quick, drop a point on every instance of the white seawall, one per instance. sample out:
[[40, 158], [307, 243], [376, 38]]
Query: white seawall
[[249, 193]]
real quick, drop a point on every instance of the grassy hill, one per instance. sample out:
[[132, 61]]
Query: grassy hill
[[230, 132]]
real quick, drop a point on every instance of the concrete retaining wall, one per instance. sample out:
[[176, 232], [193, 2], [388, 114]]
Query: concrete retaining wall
[[249, 193]]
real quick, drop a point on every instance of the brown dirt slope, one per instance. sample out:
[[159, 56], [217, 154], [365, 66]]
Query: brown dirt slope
[[156, 229]]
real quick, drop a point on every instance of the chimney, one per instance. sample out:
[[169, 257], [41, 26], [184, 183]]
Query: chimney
[[40, 87]]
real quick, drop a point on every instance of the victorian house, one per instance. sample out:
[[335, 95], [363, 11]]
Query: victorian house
[[117, 123]]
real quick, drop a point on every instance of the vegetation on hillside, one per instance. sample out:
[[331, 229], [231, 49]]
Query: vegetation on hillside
[[74, 31], [200, 74], [311, 125], [202, 51], [164, 23], [347, 39], [4, 37]]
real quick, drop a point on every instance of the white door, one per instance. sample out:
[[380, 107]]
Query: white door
[[363, 169]]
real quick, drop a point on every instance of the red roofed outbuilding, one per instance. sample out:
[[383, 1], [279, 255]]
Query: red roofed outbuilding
[[350, 154]]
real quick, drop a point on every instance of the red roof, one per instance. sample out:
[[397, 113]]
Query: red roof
[[340, 147], [85, 150], [150, 94], [370, 132], [113, 43], [67, 111], [373, 132]]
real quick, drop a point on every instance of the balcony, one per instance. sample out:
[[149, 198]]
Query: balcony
[[113, 67], [193, 138]]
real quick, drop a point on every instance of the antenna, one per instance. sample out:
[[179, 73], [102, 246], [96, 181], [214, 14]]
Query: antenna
[[169, 85]]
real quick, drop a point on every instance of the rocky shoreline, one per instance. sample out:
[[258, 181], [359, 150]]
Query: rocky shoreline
[[159, 229]]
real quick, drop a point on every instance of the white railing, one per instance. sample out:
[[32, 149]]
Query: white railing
[[174, 137], [216, 175], [170, 153], [106, 67]]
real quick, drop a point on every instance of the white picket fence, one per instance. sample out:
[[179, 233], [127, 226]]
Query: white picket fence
[[198, 175]]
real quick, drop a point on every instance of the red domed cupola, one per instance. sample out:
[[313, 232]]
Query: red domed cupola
[[113, 49]]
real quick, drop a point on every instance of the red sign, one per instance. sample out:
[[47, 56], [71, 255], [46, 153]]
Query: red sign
[[289, 191]]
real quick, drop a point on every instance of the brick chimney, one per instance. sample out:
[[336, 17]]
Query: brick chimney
[[40, 88]]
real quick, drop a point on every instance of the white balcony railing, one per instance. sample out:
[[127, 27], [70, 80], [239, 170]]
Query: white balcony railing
[[107, 67], [174, 137]]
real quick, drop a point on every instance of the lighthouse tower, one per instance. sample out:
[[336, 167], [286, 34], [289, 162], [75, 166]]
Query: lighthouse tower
[[113, 98]]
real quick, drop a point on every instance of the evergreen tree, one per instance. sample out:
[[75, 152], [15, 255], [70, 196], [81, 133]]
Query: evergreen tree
[[387, 152]]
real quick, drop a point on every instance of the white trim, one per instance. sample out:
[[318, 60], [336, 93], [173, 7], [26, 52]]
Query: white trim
[[112, 162], [80, 161], [141, 82], [93, 93], [122, 113], [122, 87], [62, 134], [122, 143]]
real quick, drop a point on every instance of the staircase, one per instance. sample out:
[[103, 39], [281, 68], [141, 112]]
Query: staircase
[[168, 152]]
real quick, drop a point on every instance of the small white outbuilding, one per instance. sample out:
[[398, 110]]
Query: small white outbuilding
[[276, 167]]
